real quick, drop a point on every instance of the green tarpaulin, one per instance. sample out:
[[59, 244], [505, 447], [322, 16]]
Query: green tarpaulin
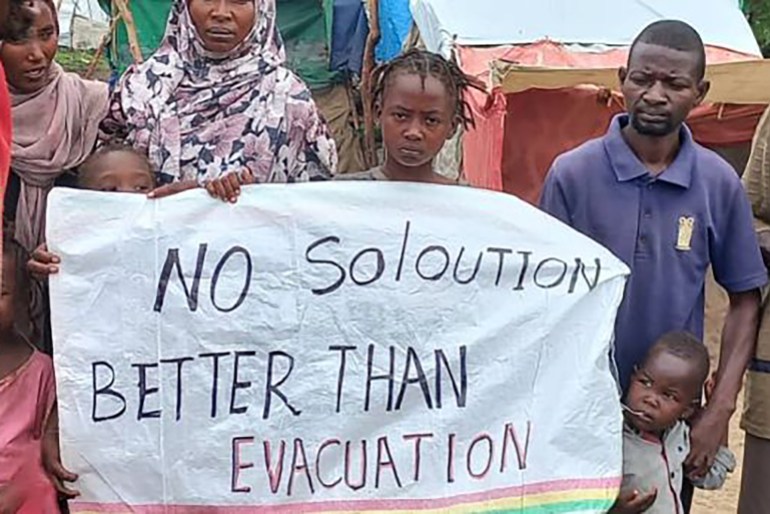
[[304, 24]]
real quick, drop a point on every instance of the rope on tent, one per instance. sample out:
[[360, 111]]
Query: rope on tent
[[128, 20], [370, 151]]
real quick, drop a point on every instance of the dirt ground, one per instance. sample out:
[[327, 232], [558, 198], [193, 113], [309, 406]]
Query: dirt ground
[[724, 501]]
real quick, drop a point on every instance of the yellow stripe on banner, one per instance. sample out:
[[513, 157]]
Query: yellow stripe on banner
[[529, 501]]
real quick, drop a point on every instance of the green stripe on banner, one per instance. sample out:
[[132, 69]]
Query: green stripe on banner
[[561, 508]]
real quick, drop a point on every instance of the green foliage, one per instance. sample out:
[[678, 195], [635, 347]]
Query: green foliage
[[758, 14], [77, 61]]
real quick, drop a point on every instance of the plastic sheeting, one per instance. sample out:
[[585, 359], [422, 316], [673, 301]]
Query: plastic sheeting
[[303, 27], [350, 28], [517, 136], [90, 16], [395, 24], [499, 22]]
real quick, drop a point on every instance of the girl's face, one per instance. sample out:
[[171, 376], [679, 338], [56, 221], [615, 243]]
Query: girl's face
[[119, 172], [417, 116], [27, 57], [222, 24]]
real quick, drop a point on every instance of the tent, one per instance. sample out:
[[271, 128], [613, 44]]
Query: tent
[[553, 88], [82, 23], [324, 42], [395, 24]]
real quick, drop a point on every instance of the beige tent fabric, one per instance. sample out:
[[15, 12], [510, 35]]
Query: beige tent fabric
[[743, 82], [756, 180], [334, 103]]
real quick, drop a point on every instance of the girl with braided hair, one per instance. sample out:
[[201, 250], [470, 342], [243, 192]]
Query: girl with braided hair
[[419, 101]]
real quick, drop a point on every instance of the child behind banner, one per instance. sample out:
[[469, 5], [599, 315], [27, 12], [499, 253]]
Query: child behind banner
[[419, 100], [665, 390], [116, 169]]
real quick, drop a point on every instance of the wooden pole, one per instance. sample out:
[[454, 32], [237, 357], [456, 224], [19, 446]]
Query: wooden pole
[[133, 39], [97, 57], [370, 147]]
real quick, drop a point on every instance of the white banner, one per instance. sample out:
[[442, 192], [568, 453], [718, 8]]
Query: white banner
[[333, 347]]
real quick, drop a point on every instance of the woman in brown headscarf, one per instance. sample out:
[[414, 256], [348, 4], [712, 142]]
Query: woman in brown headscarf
[[56, 119], [56, 116]]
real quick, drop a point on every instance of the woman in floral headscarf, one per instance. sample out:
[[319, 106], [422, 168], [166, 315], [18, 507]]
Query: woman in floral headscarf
[[215, 99]]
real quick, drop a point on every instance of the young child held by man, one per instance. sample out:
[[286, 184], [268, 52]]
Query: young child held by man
[[665, 391], [418, 99]]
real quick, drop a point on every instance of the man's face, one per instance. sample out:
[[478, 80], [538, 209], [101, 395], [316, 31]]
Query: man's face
[[661, 86]]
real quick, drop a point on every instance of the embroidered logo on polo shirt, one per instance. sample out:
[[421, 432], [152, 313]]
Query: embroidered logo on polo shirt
[[684, 236]]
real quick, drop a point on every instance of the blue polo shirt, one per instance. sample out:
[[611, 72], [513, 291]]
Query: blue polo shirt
[[668, 230]]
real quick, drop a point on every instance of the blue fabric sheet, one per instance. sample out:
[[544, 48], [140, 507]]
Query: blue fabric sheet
[[395, 24], [350, 29]]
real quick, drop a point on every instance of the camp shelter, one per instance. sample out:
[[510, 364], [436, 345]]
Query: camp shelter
[[82, 23], [324, 42], [552, 87]]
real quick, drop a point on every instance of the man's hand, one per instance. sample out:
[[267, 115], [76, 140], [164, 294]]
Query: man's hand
[[709, 429], [633, 502]]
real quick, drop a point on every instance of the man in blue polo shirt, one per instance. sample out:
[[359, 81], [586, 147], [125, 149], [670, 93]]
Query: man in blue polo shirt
[[669, 209]]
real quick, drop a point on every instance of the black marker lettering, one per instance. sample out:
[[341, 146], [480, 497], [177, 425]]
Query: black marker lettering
[[371, 377], [378, 272], [340, 269], [456, 274], [443, 269], [239, 385], [246, 279], [179, 363], [172, 261], [105, 390], [272, 388], [215, 378], [145, 391], [341, 375]]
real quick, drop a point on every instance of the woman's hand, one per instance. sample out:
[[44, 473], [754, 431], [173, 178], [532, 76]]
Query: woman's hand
[[228, 187], [43, 263]]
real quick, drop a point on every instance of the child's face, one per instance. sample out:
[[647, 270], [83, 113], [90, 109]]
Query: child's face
[[120, 172], [416, 119], [663, 391], [7, 294]]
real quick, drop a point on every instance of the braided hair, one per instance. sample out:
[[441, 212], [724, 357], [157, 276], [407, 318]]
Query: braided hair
[[427, 64]]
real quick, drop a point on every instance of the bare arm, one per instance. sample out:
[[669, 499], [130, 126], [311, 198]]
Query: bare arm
[[738, 340]]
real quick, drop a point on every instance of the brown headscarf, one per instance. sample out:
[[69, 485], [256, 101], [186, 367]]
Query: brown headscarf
[[54, 130]]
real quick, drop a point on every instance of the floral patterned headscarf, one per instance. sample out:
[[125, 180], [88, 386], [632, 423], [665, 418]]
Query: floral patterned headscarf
[[199, 115]]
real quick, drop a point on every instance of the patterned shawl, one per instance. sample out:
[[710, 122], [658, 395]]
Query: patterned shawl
[[199, 115]]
